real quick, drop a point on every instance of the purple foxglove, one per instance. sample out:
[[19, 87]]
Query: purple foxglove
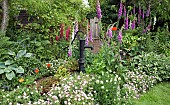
[[120, 10], [76, 27], [139, 18], [120, 36], [134, 10], [143, 15], [144, 31], [87, 40], [109, 32], [126, 23], [140, 12], [108, 43], [149, 27], [148, 11], [124, 11], [133, 24], [69, 52], [98, 10]]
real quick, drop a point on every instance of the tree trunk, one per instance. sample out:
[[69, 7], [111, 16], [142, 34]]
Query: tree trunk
[[5, 17]]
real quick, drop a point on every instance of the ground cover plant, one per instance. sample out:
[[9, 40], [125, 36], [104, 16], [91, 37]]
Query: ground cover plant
[[39, 55]]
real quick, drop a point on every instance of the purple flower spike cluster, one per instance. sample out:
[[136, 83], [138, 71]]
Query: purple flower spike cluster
[[76, 27], [69, 52], [126, 23], [120, 36], [98, 9], [133, 24], [148, 11], [109, 33], [120, 10]]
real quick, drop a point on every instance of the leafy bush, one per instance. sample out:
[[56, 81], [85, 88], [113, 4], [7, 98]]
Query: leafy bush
[[153, 65]]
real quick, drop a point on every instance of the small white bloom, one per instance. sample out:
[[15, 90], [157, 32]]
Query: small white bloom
[[102, 87]]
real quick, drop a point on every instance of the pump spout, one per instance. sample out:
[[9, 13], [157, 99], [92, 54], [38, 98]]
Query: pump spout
[[89, 47]]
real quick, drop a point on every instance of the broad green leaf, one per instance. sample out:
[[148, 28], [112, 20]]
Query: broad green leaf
[[28, 55], [20, 70], [38, 43], [13, 67], [21, 53], [10, 75], [2, 65], [11, 53], [1, 71], [7, 70], [9, 62]]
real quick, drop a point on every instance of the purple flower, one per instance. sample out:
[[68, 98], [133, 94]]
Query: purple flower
[[133, 24], [69, 52], [124, 11], [76, 27], [120, 10], [109, 32], [148, 11], [87, 41], [98, 9], [90, 35], [144, 31], [149, 27], [134, 10], [143, 15], [120, 36], [139, 18], [140, 12], [126, 24]]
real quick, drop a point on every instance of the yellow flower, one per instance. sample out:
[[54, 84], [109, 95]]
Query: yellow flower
[[21, 80]]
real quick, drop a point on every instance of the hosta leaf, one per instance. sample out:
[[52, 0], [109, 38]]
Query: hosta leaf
[[11, 53], [2, 65], [19, 70], [13, 67], [10, 75], [21, 53], [7, 70], [28, 55], [9, 62], [1, 71]]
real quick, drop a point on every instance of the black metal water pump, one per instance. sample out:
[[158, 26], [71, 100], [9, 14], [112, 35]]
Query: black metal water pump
[[82, 47]]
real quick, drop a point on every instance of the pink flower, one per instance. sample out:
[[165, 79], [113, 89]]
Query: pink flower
[[109, 32], [120, 36], [69, 52], [54, 97], [87, 40]]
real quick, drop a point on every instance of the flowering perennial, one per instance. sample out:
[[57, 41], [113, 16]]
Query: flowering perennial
[[98, 9], [120, 10], [109, 33], [120, 36], [68, 33]]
